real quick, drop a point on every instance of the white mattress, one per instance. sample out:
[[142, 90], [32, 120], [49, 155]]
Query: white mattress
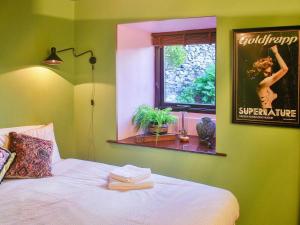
[[77, 195]]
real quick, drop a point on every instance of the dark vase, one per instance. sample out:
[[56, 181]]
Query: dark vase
[[206, 130]]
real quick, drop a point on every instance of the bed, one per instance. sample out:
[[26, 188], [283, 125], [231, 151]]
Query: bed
[[77, 195]]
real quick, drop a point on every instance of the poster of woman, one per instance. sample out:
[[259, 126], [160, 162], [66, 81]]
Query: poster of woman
[[267, 76]]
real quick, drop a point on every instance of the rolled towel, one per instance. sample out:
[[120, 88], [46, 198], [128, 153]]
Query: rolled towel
[[122, 186], [130, 174]]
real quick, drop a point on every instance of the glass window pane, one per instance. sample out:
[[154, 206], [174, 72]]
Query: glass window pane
[[189, 74]]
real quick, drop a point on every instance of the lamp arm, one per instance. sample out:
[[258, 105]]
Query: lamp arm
[[92, 58]]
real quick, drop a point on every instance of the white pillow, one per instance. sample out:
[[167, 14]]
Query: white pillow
[[5, 131], [47, 133]]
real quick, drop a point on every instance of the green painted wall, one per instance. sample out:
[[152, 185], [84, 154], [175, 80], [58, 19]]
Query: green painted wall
[[31, 93], [262, 166]]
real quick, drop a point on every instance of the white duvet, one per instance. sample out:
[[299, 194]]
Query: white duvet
[[77, 195]]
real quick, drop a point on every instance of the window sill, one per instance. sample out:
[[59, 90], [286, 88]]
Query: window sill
[[192, 146]]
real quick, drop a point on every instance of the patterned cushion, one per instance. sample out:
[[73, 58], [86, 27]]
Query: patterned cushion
[[33, 156], [47, 133], [6, 159]]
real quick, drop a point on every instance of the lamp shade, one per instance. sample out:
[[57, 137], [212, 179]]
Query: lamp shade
[[53, 59]]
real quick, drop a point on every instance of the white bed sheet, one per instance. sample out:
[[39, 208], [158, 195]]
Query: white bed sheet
[[77, 195]]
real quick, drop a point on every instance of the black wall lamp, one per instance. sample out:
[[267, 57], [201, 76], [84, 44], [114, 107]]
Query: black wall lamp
[[53, 58]]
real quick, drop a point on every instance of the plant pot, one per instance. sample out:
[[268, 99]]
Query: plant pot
[[154, 129]]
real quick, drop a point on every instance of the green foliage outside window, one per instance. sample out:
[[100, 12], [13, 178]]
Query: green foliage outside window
[[175, 55], [202, 89]]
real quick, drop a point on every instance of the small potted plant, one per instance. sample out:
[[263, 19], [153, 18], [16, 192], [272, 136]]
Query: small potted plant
[[153, 120]]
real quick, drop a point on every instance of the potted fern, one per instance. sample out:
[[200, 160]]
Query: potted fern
[[153, 120]]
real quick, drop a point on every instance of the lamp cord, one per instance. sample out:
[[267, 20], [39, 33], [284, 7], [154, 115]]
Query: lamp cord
[[92, 145]]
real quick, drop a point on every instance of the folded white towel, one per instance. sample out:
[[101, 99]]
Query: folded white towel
[[117, 185], [130, 174]]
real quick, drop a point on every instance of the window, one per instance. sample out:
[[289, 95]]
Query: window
[[185, 70]]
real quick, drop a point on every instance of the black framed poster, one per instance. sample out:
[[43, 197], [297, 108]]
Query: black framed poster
[[266, 76]]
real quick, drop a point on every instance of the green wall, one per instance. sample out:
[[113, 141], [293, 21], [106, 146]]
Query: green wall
[[31, 93], [262, 166]]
